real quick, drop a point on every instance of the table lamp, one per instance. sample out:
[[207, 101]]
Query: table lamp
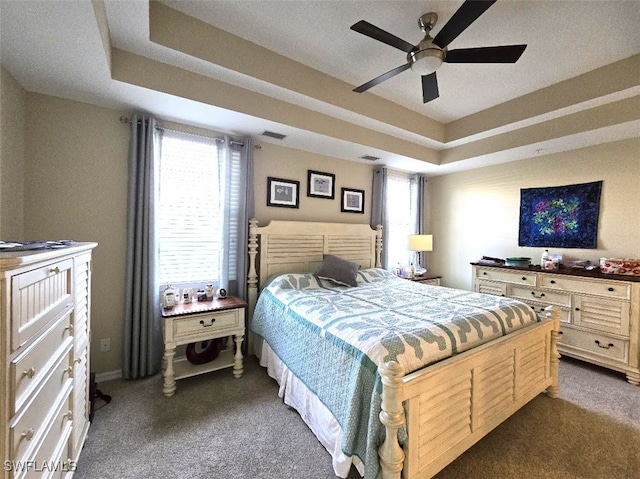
[[420, 243]]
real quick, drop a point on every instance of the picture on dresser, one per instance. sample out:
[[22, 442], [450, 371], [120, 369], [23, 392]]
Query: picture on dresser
[[560, 216]]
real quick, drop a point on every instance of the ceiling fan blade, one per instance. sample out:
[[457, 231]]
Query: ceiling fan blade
[[429, 87], [502, 54], [379, 34], [465, 16], [381, 78]]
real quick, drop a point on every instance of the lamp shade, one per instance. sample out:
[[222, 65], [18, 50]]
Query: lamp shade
[[421, 242]]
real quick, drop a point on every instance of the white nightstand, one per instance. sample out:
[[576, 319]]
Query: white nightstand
[[202, 321]]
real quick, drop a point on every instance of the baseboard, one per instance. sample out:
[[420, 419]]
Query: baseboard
[[108, 376]]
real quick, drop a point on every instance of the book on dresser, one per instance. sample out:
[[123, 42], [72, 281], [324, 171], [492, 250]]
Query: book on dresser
[[45, 299], [600, 313]]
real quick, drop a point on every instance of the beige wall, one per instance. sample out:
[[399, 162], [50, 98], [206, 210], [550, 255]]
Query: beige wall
[[12, 104], [291, 164], [476, 212], [75, 183], [76, 188]]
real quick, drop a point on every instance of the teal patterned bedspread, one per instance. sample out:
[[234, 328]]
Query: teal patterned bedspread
[[334, 337]]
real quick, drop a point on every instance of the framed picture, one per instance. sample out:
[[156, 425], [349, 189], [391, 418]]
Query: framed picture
[[284, 193], [352, 201], [321, 185]]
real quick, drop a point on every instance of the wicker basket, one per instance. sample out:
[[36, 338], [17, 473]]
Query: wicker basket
[[620, 266]]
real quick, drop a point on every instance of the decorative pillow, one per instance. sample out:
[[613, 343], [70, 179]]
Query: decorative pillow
[[338, 270]]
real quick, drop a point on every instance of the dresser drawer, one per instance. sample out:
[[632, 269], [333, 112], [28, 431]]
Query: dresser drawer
[[491, 287], [38, 297], [200, 326], [27, 427], [51, 456], [518, 277], [532, 294], [538, 307], [595, 343], [611, 289], [30, 366]]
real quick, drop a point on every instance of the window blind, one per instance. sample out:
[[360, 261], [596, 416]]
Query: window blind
[[401, 213], [190, 210]]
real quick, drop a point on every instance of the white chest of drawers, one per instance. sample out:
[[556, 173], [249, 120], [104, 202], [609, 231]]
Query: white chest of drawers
[[600, 314], [45, 319]]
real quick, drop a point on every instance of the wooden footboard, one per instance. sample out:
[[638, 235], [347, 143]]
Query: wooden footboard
[[453, 404]]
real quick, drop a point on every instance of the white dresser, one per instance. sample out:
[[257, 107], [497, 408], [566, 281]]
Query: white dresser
[[600, 313], [45, 300]]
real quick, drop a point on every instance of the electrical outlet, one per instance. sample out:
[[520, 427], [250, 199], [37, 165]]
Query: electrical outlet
[[105, 345]]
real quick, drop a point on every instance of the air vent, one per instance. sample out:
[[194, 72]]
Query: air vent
[[271, 134], [369, 158]]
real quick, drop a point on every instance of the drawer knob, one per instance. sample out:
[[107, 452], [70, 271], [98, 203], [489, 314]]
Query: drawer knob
[[69, 371], [55, 270], [577, 309], [524, 278], [484, 272], [28, 434], [533, 293], [29, 372], [553, 281], [204, 325], [608, 346], [609, 289]]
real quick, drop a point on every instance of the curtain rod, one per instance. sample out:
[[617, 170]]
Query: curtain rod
[[124, 119]]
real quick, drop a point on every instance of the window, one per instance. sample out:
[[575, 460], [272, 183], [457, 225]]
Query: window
[[401, 213], [190, 210]]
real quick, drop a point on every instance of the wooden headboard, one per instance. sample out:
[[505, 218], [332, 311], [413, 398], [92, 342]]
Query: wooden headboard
[[299, 246]]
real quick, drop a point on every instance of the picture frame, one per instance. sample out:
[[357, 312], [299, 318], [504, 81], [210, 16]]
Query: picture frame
[[283, 193], [352, 201], [321, 185]]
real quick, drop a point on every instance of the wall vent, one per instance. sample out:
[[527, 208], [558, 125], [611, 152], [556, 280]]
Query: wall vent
[[369, 158], [271, 134]]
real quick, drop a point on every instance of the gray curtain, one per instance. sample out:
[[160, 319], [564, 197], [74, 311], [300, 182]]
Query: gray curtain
[[421, 217], [143, 346], [378, 208], [236, 185]]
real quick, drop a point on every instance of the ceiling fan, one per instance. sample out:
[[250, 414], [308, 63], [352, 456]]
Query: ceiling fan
[[426, 57]]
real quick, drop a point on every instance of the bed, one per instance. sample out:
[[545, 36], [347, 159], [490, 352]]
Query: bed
[[391, 412]]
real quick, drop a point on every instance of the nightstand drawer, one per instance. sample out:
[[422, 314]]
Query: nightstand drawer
[[201, 325]]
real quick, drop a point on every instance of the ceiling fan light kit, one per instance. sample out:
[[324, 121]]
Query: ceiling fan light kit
[[426, 57], [427, 61]]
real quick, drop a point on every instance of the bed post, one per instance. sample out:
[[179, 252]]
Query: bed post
[[392, 417], [252, 276], [554, 389], [378, 246]]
